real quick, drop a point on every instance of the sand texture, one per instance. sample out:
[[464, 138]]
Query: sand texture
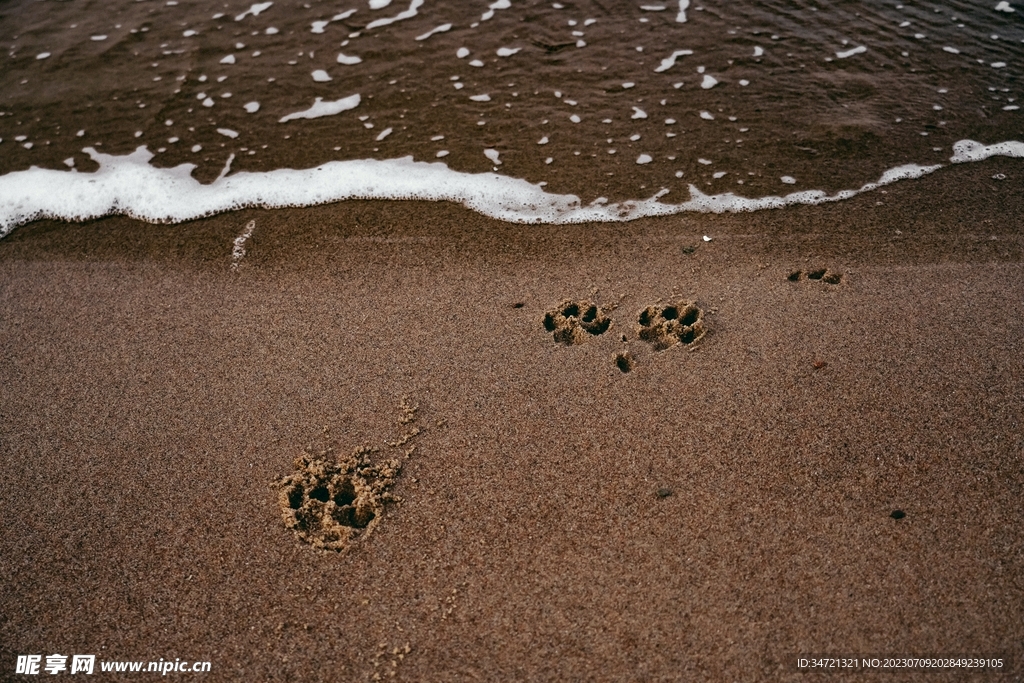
[[700, 487]]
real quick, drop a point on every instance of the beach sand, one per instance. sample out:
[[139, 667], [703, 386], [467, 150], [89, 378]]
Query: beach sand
[[712, 514]]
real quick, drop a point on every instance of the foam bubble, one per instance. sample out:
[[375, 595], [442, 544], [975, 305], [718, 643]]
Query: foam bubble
[[707, 116], [255, 10], [951, 50], [683, 6], [383, 134], [1004, 6], [319, 26], [508, 51], [498, 4], [644, 159], [347, 59], [492, 154], [42, 55], [481, 98], [230, 59], [462, 53], [379, 4], [758, 51], [321, 108], [252, 107], [851, 52], [708, 82], [228, 132], [98, 38], [407, 14], [670, 61], [439, 29], [638, 113]]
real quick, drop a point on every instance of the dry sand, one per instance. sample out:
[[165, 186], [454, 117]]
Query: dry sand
[[709, 515]]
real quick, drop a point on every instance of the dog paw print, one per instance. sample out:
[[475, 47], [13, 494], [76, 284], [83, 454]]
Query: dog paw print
[[331, 504], [571, 322], [624, 362], [821, 274], [666, 326]]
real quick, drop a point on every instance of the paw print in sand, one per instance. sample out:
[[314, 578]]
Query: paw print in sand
[[331, 504], [571, 322], [666, 326], [820, 274]]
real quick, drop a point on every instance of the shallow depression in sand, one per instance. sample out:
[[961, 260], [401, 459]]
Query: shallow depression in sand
[[665, 326], [572, 322]]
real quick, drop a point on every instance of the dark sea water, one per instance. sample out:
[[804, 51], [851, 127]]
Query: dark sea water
[[763, 98]]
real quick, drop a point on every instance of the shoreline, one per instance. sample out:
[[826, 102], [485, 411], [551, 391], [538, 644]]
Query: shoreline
[[129, 185], [151, 395]]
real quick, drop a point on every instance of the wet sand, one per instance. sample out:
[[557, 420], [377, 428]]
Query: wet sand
[[709, 515]]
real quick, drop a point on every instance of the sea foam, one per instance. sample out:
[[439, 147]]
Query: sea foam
[[129, 185]]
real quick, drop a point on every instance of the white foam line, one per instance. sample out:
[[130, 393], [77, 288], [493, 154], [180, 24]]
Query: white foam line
[[670, 61], [129, 185], [970, 150], [238, 248], [407, 14], [321, 108], [227, 166], [440, 29]]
